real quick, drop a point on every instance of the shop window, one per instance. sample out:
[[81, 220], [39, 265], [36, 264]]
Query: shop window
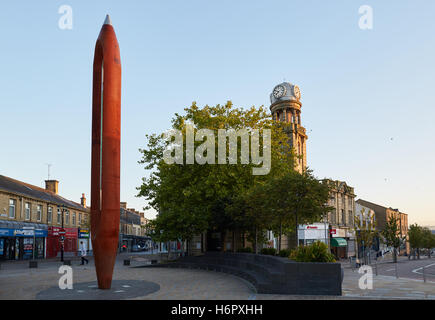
[[12, 206]]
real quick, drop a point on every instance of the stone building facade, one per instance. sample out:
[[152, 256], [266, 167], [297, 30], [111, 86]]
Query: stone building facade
[[341, 219], [383, 214], [31, 218]]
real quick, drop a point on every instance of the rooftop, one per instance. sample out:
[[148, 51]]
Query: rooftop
[[27, 190]]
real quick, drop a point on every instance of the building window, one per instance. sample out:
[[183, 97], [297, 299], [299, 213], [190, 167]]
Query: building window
[[73, 218], [343, 217], [38, 213], [333, 216], [27, 210], [80, 219], [332, 199], [49, 214], [12, 206], [67, 217], [58, 216]]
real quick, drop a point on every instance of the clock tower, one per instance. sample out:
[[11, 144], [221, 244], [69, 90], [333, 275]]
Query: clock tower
[[286, 107]]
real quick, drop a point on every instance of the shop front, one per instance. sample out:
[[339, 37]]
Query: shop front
[[339, 245], [54, 241], [24, 243], [132, 243], [84, 236], [308, 234]]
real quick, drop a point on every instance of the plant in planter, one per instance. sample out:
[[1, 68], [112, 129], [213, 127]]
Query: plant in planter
[[316, 252], [285, 253], [268, 251]]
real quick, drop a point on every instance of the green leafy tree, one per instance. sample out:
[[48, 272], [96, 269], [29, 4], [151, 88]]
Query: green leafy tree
[[365, 231], [391, 236], [416, 239], [192, 198], [428, 240], [294, 199]]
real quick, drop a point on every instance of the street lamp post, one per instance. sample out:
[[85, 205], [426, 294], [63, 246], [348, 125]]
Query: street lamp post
[[62, 238]]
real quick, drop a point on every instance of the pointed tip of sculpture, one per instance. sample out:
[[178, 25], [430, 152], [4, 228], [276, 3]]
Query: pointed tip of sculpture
[[108, 21]]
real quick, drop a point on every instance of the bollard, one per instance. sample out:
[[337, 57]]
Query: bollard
[[67, 262], [127, 262], [33, 264]]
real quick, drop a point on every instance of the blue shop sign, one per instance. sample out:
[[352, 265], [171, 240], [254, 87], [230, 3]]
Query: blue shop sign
[[5, 232]]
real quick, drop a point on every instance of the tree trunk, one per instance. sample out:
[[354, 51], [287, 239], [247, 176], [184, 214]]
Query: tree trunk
[[233, 245], [256, 246], [296, 236], [223, 233], [394, 255], [280, 236]]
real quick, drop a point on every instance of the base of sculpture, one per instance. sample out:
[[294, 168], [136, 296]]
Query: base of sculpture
[[120, 290]]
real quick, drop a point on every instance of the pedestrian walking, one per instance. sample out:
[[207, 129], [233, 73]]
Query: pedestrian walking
[[83, 253]]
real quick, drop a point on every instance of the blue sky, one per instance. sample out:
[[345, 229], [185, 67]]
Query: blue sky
[[368, 97]]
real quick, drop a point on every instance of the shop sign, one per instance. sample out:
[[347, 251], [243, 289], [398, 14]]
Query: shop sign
[[5, 232], [53, 231], [83, 233], [71, 232], [341, 233]]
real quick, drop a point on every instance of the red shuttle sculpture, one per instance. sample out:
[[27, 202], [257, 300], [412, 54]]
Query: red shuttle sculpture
[[106, 143]]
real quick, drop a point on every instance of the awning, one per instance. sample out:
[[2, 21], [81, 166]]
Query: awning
[[338, 242]]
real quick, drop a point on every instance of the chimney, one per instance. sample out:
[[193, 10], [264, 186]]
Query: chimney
[[52, 185], [123, 205], [83, 200]]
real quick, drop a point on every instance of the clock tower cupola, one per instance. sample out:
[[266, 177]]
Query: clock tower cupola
[[286, 107]]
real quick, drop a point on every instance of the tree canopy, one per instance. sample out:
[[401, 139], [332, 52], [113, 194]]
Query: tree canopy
[[191, 198]]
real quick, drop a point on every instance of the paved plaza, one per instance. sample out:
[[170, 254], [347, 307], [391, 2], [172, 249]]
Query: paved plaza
[[18, 281]]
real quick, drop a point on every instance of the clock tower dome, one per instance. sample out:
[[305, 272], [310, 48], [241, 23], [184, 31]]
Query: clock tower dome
[[286, 107]]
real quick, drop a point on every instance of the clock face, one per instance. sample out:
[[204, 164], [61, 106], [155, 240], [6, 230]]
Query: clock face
[[297, 92], [278, 91]]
